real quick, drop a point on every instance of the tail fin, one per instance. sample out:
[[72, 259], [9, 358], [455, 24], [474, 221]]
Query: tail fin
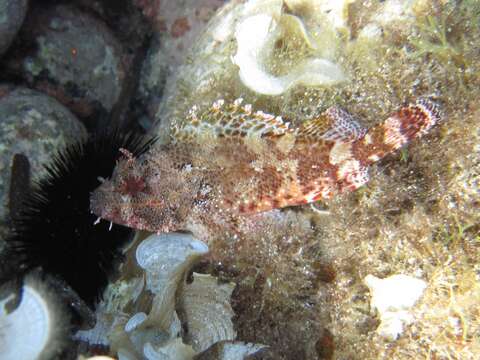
[[408, 123]]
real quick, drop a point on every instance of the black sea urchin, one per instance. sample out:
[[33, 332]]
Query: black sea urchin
[[55, 229]]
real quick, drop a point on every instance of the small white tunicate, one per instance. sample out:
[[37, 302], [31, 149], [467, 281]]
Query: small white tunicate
[[135, 321]]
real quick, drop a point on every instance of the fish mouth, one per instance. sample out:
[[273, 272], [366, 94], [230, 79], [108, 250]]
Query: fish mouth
[[109, 205], [101, 202], [96, 204]]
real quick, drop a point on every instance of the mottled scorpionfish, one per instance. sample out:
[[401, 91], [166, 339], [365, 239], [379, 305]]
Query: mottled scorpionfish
[[229, 162]]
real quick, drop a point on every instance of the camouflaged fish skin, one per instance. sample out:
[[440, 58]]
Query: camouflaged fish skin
[[229, 162]]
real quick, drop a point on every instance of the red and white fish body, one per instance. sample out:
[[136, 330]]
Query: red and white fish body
[[230, 162]]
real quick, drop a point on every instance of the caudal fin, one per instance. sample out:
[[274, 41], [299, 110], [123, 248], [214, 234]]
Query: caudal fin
[[406, 124]]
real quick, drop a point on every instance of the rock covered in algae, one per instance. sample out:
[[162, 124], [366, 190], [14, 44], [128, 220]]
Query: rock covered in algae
[[78, 59], [35, 125], [12, 13], [177, 26], [419, 215]]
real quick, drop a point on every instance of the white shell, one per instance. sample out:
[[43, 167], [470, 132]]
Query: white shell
[[206, 311], [173, 246], [27, 331], [256, 37], [392, 324], [392, 297], [165, 258], [396, 292]]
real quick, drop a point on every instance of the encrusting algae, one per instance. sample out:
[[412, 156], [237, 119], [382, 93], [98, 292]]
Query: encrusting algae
[[299, 272]]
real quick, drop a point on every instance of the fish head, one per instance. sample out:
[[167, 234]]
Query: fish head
[[127, 199]]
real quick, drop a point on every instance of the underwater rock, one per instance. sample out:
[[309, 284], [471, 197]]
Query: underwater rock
[[382, 77], [414, 215], [393, 297], [12, 13], [34, 125], [33, 329], [390, 12], [79, 57], [178, 25], [204, 308]]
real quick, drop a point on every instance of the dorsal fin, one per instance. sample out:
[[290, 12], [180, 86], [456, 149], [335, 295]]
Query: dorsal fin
[[232, 120], [334, 124]]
